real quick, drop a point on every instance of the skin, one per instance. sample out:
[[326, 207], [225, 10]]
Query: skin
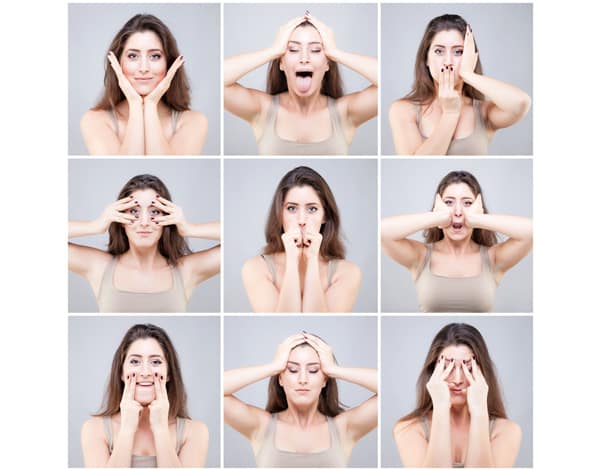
[[302, 371], [143, 427], [301, 272], [451, 60], [303, 115], [459, 422], [457, 211], [142, 268], [144, 120]]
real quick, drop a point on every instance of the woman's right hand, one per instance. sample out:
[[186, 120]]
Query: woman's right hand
[[293, 243], [443, 211], [126, 87], [450, 99], [115, 212], [283, 35], [283, 351], [437, 386], [130, 409]]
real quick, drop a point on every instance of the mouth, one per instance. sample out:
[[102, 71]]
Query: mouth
[[457, 226], [143, 79], [456, 391], [304, 80], [145, 233], [145, 384], [302, 390]]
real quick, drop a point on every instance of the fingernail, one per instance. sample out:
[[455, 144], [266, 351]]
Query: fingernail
[[134, 374], [452, 69], [162, 378], [152, 202], [442, 69]]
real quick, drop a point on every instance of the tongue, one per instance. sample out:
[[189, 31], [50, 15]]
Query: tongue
[[303, 83]]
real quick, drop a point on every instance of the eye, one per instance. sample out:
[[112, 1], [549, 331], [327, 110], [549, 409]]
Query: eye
[[134, 211], [313, 371], [293, 49], [437, 51], [316, 50], [448, 202], [156, 362], [155, 212], [132, 56], [313, 209], [291, 370], [155, 57], [133, 361], [468, 203], [458, 52], [291, 208]]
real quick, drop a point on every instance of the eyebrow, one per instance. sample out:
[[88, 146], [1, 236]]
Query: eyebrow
[[131, 49], [311, 42], [308, 363], [151, 355], [452, 47], [307, 204]]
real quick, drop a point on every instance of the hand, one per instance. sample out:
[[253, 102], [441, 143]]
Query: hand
[[116, 212], [173, 215], [283, 351], [327, 36], [324, 351], [443, 211], [292, 243], [126, 87], [159, 408], [477, 391], [473, 211], [130, 409], [437, 386], [450, 99], [155, 95], [312, 244], [469, 56], [283, 35]]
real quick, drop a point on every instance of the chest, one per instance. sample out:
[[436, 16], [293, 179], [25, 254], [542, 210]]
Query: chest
[[142, 281], [167, 125], [323, 279], [310, 440], [459, 441], [464, 128], [303, 128], [143, 441], [447, 265]]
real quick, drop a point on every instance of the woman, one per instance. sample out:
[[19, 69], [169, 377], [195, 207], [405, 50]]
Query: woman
[[303, 424], [302, 268], [144, 421], [460, 419], [461, 263], [304, 111], [145, 107], [453, 109], [148, 266]]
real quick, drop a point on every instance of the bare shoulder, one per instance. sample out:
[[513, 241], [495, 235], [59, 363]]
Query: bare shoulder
[[348, 270], [93, 428], [94, 118], [402, 110], [195, 119], [507, 428], [405, 428], [254, 265], [196, 430]]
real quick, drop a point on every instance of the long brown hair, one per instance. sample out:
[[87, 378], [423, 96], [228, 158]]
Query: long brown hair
[[423, 88], [332, 246], [171, 244], [177, 96], [329, 402], [330, 86], [479, 236], [451, 335], [175, 388]]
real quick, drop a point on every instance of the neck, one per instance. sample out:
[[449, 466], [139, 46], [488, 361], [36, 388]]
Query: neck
[[143, 258], [459, 416], [302, 416], [457, 247], [304, 104]]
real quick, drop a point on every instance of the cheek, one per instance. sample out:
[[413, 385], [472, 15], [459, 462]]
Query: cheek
[[160, 68], [128, 67]]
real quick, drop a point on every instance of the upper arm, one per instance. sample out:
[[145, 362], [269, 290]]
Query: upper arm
[[246, 419], [409, 253], [245, 103], [497, 118], [99, 137], [361, 419], [360, 106], [261, 291], [190, 136], [506, 254], [194, 449], [411, 443], [403, 123], [341, 294], [88, 262], [506, 442], [93, 443], [202, 265]]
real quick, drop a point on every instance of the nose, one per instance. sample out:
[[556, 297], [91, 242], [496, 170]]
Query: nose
[[304, 56], [145, 370], [458, 209], [456, 375], [301, 218], [302, 376], [144, 65], [145, 217], [450, 59]]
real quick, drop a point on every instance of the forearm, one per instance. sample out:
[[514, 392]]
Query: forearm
[[399, 227], [441, 137], [236, 379], [154, 138], [439, 447], [290, 299], [518, 228], [166, 454], [84, 228], [122, 450], [133, 141], [364, 377], [237, 66], [507, 97], [361, 64], [313, 299], [479, 453], [208, 231]]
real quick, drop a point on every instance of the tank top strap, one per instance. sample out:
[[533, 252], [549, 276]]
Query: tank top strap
[[178, 280], [107, 277], [331, 268], [492, 422], [113, 117], [336, 120], [425, 261], [479, 122], [175, 115], [107, 422], [272, 113], [179, 429], [485, 258], [334, 433], [271, 265], [425, 425]]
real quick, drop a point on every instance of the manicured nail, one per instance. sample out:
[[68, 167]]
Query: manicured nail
[[162, 378], [452, 69], [134, 374]]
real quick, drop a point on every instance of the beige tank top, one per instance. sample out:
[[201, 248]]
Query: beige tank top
[[456, 294], [147, 461], [175, 115], [331, 268], [271, 144], [110, 299], [474, 144], [270, 456]]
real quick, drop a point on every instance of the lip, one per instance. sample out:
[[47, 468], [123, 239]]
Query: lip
[[144, 233], [145, 384], [143, 79], [302, 390], [456, 391]]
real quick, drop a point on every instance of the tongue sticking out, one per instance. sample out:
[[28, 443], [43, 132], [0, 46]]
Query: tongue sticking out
[[303, 81]]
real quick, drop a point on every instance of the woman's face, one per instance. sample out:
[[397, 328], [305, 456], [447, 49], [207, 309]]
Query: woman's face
[[304, 62], [143, 61], [144, 232], [302, 380], [456, 380], [144, 357], [458, 197], [302, 210], [445, 51]]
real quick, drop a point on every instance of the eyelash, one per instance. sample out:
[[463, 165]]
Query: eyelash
[[311, 209], [155, 362], [134, 56], [295, 371]]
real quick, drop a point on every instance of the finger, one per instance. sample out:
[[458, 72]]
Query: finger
[[163, 387], [131, 391], [114, 62], [468, 375], [163, 200], [476, 370], [437, 370], [163, 207], [157, 388], [451, 78], [448, 369], [175, 66]]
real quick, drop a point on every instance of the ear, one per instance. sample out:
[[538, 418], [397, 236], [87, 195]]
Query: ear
[[280, 66], [279, 380], [327, 69]]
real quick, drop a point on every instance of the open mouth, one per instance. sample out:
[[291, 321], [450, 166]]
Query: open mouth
[[304, 80], [304, 74], [457, 226], [145, 384]]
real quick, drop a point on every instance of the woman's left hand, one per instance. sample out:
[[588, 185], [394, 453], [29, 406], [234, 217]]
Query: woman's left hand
[[173, 215], [469, 56], [327, 35], [477, 391], [473, 211], [155, 95], [324, 351], [159, 408], [312, 244]]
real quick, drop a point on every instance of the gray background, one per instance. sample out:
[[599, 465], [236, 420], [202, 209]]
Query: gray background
[[408, 186], [92, 344], [251, 27], [504, 36], [247, 201], [404, 345], [196, 28], [253, 341], [194, 186]]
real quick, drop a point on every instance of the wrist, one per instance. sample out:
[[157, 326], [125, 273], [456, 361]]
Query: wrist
[[335, 54], [160, 431], [183, 228], [466, 76], [334, 371]]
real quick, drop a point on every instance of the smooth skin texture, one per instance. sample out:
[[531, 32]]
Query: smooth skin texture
[[142, 427], [459, 424], [303, 114], [302, 370], [142, 268], [301, 272], [451, 61], [144, 121]]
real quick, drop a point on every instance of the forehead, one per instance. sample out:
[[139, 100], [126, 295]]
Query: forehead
[[302, 194], [458, 190], [458, 352], [144, 196], [145, 347], [448, 38], [305, 34], [143, 40], [303, 354]]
